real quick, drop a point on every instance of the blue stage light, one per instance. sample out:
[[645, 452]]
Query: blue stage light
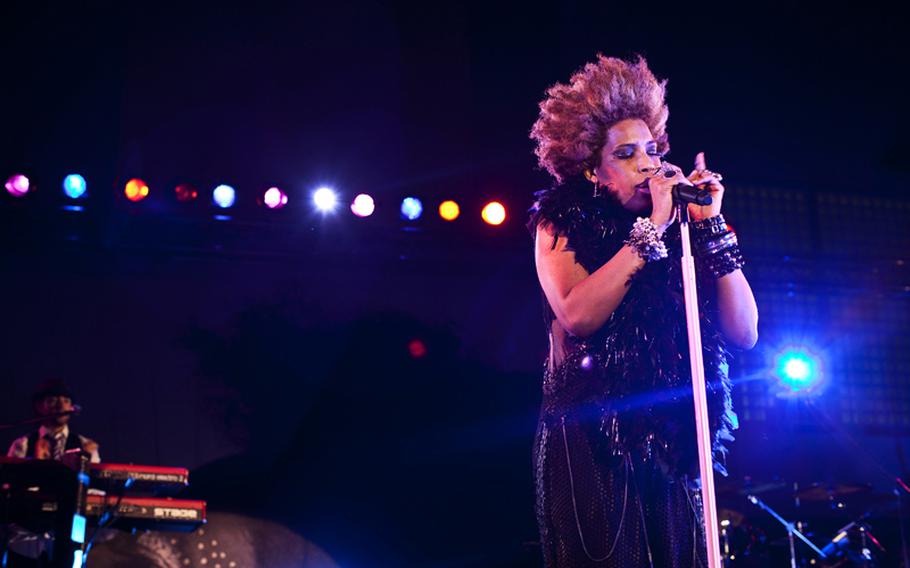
[[224, 196], [74, 186], [798, 370], [411, 208]]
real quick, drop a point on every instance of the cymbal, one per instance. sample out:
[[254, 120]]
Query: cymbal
[[830, 491], [772, 487], [732, 488], [817, 491]]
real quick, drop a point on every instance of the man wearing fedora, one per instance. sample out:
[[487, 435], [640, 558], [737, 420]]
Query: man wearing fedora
[[53, 400]]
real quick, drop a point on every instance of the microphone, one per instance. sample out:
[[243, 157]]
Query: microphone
[[683, 193], [75, 410]]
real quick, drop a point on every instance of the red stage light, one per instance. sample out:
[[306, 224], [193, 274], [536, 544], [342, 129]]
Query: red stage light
[[136, 190], [417, 348], [186, 192]]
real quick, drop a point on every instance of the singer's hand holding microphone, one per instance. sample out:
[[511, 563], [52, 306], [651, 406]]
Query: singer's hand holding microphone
[[661, 187], [702, 191]]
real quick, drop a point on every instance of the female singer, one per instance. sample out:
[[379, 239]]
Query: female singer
[[615, 453]]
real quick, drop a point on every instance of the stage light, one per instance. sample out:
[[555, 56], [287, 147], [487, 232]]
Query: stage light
[[274, 198], [74, 186], [449, 210], [18, 185], [493, 213], [798, 370], [417, 348], [224, 196], [185, 192], [363, 205], [325, 199], [136, 190], [411, 208]]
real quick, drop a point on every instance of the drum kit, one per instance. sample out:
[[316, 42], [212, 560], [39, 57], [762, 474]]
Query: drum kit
[[816, 524]]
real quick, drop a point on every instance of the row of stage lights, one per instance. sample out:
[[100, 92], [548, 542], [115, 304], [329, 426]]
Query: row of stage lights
[[799, 370], [325, 199]]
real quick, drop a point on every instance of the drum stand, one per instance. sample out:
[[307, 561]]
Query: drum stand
[[843, 537]]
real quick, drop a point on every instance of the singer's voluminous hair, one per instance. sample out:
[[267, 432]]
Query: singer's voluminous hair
[[574, 118]]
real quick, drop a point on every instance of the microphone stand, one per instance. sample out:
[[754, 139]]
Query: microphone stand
[[38, 419], [702, 425], [791, 530]]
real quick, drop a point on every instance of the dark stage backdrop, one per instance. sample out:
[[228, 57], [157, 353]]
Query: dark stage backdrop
[[274, 354], [287, 382], [290, 389]]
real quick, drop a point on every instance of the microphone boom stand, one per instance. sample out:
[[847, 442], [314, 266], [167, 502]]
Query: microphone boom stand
[[791, 530], [702, 425], [37, 419]]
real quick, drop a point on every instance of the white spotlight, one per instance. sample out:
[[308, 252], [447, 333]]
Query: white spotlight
[[325, 199]]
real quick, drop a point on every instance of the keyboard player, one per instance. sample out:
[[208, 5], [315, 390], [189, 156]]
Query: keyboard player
[[53, 399]]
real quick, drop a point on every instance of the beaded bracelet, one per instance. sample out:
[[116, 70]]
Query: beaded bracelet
[[710, 227], [645, 240], [725, 261], [712, 246]]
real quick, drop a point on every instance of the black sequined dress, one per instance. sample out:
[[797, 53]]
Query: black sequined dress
[[616, 456]]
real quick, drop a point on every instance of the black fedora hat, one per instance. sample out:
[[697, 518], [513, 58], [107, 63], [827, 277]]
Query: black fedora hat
[[51, 387]]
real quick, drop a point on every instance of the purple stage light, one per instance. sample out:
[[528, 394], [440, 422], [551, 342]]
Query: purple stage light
[[18, 185], [274, 198], [363, 205]]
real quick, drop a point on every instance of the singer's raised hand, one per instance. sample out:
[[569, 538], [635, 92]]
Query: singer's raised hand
[[703, 178]]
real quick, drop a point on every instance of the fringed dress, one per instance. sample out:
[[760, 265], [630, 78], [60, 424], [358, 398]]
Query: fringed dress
[[616, 456]]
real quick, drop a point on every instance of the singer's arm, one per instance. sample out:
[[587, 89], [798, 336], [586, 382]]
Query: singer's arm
[[582, 302], [735, 303], [737, 311]]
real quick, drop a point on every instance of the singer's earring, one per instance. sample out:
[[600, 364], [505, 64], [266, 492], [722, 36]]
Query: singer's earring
[[601, 188], [589, 175]]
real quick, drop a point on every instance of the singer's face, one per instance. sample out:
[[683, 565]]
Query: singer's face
[[628, 154], [53, 404]]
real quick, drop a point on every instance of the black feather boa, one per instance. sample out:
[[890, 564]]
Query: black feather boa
[[631, 378]]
